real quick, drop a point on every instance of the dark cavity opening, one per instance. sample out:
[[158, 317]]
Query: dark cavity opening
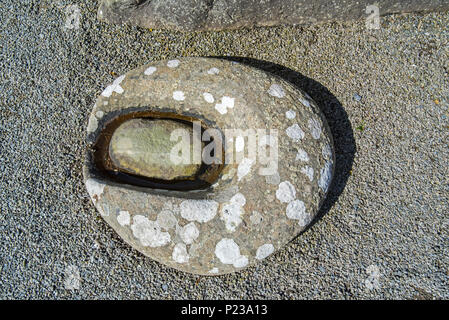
[[205, 176]]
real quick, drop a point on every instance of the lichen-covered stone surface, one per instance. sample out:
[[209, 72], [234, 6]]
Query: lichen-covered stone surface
[[245, 216], [143, 147], [190, 15]]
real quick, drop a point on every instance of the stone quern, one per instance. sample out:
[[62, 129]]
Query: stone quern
[[272, 163]]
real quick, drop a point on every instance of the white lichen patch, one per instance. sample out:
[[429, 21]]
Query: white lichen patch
[[198, 210], [325, 176], [166, 219], [308, 171], [178, 96], [95, 189], [189, 233], [93, 124], [226, 103], [228, 252], [213, 71], [296, 210], [180, 254], [264, 251], [93, 120], [274, 179], [244, 168], [286, 192], [327, 152], [149, 232], [171, 206], [208, 97], [232, 212], [256, 217], [213, 270], [305, 102], [302, 155], [123, 218], [149, 71], [114, 87], [241, 262], [290, 114], [173, 63], [276, 91], [295, 132], [315, 128]]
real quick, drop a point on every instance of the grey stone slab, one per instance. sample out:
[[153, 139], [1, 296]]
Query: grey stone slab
[[191, 15]]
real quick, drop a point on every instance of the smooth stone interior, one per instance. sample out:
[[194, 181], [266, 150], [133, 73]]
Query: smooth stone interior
[[143, 146]]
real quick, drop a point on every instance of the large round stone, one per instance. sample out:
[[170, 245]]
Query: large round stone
[[144, 147], [261, 199]]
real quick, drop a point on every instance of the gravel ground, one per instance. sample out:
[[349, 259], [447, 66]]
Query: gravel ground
[[383, 232]]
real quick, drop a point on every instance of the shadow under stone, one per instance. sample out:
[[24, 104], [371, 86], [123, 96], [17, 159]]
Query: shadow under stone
[[336, 116]]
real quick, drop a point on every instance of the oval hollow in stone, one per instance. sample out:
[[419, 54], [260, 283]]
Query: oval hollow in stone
[[144, 147], [131, 158]]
